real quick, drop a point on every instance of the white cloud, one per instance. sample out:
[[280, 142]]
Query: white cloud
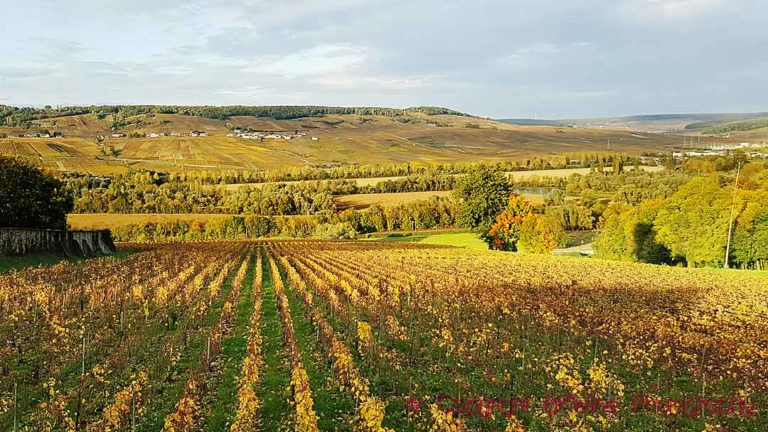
[[322, 59], [536, 55], [388, 82], [537, 48], [25, 72], [674, 8], [593, 94]]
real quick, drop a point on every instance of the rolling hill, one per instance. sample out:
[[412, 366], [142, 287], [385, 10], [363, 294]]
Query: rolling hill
[[342, 136], [706, 124]]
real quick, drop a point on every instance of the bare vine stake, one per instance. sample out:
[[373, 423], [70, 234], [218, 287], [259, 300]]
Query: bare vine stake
[[208, 354], [82, 368], [15, 403]]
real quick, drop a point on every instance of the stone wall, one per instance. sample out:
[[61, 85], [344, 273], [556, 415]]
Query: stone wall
[[22, 241]]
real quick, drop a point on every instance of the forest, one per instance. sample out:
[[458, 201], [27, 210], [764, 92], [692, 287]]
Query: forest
[[709, 221]]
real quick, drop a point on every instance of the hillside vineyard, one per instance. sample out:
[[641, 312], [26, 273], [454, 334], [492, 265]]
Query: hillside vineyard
[[312, 335]]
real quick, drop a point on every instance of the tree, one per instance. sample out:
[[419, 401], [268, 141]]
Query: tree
[[31, 198], [613, 242], [750, 240], [505, 232], [518, 228], [539, 234], [629, 234], [693, 222], [482, 194], [329, 231]]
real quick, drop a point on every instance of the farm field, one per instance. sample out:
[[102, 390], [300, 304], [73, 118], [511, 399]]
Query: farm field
[[460, 239], [341, 139], [377, 336], [757, 136], [373, 181], [96, 221], [560, 173], [363, 201]]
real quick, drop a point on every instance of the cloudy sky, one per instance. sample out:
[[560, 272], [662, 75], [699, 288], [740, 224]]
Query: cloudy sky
[[499, 58]]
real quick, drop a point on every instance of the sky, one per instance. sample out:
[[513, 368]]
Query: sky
[[496, 58]]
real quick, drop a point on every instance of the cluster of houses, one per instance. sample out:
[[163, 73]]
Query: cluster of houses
[[720, 150], [160, 134], [262, 135], [38, 135]]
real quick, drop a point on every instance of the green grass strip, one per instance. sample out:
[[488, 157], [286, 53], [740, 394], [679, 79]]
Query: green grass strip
[[275, 410], [233, 351]]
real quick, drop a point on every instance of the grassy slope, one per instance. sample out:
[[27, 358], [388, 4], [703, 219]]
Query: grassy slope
[[461, 239], [470, 240], [41, 259], [756, 136], [362, 201], [12, 262], [91, 221], [344, 139]]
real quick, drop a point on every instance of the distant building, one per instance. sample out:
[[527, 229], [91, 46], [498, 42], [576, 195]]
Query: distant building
[[261, 135]]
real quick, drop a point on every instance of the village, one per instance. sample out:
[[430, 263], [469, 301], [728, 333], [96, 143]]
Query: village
[[751, 149], [262, 134], [236, 133], [158, 134], [44, 134]]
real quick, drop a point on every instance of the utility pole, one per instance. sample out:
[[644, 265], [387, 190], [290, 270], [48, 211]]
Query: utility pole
[[730, 221]]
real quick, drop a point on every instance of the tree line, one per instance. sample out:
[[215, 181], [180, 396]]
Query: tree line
[[348, 224], [143, 192], [23, 117], [695, 225]]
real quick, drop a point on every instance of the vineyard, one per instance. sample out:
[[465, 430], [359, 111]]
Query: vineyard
[[378, 336]]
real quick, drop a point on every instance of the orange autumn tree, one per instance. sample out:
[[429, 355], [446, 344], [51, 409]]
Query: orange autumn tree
[[505, 232], [518, 228]]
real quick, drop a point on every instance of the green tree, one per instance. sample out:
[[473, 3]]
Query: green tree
[[629, 234], [31, 198], [693, 222], [750, 240], [539, 234], [613, 242], [482, 194]]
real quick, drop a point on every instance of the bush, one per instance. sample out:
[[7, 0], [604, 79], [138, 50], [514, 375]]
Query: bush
[[337, 231]]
